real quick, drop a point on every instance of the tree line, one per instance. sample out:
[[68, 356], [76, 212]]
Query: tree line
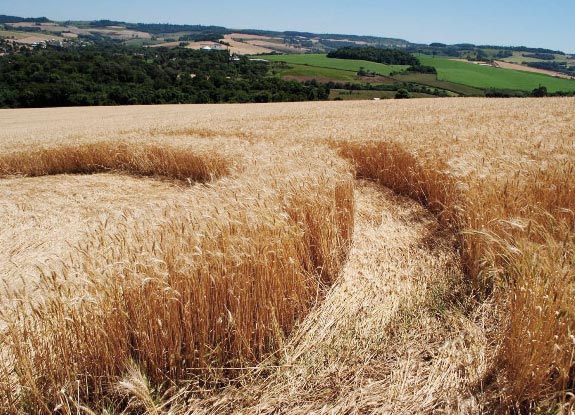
[[372, 54], [118, 75], [561, 67], [14, 19]]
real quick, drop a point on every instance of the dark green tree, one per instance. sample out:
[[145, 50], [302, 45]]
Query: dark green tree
[[539, 92], [402, 94]]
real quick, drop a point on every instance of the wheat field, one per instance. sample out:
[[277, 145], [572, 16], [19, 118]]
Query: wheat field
[[342, 257]]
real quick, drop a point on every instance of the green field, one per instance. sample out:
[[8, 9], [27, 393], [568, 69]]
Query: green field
[[323, 61], [316, 72], [141, 42], [431, 80], [489, 77], [461, 77], [324, 74]]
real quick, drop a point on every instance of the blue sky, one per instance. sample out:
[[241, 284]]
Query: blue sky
[[535, 23]]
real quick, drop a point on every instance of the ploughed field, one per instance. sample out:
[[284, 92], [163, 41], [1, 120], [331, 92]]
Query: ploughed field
[[378, 256]]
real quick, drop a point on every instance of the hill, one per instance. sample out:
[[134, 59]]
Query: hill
[[39, 32], [453, 76], [197, 36], [118, 75], [490, 77], [434, 69], [268, 40]]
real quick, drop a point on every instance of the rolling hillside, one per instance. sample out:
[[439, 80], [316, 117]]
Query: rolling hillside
[[464, 78], [480, 76]]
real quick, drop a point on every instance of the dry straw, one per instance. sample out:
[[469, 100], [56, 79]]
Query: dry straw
[[189, 294], [527, 261], [157, 309]]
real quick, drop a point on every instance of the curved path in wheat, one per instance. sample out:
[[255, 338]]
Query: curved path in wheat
[[392, 334], [382, 341]]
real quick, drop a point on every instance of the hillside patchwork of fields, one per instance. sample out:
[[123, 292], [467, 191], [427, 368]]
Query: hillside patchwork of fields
[[480, 76], [322, 61], [462, 69], [460, 77], [248, 41], [392, 256]]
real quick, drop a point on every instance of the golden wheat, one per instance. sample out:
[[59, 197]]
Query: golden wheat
[[204, 281]]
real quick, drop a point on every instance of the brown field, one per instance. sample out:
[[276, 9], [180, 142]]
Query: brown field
[[28, 38], [244, 37], [122, 34], [238, 48], [244, 47], [48, 27], [278, 47], [167, 45], [517, 67], [12, 35], [31, 39], [342, 257], [21, 24], [114, 32]]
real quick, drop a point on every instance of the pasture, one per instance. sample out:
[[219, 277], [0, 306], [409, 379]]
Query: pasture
[[315, 72], [479, 76], [398, 256], [323, 61], [457, 76], [431, 80]]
